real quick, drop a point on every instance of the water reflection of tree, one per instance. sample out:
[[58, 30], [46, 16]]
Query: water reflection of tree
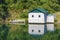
[[4, 32]]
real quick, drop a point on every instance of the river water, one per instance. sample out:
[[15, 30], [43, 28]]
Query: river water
[[19, 31]]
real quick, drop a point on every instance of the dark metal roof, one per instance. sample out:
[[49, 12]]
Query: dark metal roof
[[37, 10]]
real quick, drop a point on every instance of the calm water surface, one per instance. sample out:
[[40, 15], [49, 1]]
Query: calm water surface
[[17, 31]]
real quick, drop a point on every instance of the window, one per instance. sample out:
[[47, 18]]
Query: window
[[32, 30], [39, 15], [38, 30], [32, 15]]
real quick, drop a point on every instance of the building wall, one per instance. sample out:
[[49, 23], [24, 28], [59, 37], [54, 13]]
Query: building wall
[[36, 29], [36, 18], [50, 18]]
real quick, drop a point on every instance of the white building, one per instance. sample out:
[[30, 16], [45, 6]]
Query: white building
[[40, 16], [36, 29], [50, 18]]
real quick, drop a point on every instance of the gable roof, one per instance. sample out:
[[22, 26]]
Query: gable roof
[[37, 10]]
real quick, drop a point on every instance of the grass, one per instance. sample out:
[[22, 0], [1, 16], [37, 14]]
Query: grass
[[57, 15]]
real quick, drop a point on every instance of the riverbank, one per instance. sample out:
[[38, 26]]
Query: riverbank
[[13, 21]]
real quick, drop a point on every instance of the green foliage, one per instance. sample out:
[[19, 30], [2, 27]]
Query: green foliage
[[19, 5]]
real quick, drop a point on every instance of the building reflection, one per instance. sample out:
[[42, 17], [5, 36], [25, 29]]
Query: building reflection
[[40, 29]]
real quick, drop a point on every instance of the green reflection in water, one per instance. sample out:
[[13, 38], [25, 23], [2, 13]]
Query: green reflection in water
[[20, 32]]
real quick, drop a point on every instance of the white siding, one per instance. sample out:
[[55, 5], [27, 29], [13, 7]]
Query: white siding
[[50, 18], [36, 28], [50, 27], [36, 18]]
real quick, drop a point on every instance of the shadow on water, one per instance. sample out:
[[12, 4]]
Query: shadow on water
[[4, 32]]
